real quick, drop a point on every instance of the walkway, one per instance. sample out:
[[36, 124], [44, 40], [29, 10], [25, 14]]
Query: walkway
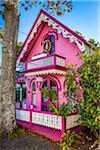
[[29, 142]]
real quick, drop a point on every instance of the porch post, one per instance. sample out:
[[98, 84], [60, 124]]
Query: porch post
[[63, 125], [31, 118]]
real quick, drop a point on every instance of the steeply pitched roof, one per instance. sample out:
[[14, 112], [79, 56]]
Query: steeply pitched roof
[[66, 32]]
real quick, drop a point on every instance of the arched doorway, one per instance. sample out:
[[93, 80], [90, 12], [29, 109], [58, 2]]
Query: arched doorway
[[49, 84]]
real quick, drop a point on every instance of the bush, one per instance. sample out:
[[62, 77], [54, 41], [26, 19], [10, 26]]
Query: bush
[[69, 139], [89, 108]]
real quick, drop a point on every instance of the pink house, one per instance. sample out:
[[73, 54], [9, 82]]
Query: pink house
[[47, 49]]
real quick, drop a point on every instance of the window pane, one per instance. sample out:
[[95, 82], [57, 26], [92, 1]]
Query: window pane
[[34, 94], [54, 88], [34, 87], [34, 99], [44, 99], [52, 39], [44, 108], [44, 84], [52, 85]]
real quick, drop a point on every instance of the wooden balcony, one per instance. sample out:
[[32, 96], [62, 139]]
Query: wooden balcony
[[51, 61]]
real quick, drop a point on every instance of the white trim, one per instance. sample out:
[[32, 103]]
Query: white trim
[[39, 56], [44, 72]]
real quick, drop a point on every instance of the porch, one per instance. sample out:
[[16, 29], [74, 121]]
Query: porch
[[46, 123], [34, 113]]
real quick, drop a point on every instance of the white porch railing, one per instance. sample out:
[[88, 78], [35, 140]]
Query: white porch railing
[[60, 61], [48, 120], [71, 121], [46, 61], [23, 115]]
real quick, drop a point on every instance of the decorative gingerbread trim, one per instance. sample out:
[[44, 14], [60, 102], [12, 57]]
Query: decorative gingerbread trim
[[59, 29]]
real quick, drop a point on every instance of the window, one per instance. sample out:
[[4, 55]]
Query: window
[[49, 84], [34, 94], [34, 87], [52, 40], [44, 99], [49, 44]]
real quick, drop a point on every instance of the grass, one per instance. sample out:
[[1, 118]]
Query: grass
[[17, 132]]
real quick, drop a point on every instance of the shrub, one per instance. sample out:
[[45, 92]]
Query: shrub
[[69, 139], [89, 108]]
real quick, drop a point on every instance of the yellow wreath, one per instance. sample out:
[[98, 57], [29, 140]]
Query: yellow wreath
[[47, 50]]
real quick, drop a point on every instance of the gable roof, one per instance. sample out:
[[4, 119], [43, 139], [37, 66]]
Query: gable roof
[[66, 32]]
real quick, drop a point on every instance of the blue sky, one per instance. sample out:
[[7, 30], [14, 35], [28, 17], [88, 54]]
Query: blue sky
[[83, 18]]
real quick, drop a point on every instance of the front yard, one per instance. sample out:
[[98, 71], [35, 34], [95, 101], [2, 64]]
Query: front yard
[[31, 141]]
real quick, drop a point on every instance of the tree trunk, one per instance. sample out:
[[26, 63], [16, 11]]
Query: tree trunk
[[8, 68], [0, 107]]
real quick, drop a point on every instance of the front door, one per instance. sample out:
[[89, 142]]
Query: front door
[[50, 84]]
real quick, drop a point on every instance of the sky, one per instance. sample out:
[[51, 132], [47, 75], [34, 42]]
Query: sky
[[84, 18]]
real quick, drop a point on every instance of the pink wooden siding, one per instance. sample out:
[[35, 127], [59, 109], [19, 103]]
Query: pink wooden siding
[[63, 47], [54, 67]]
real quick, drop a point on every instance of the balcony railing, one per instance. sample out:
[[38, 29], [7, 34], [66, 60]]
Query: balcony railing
[[53, 60]]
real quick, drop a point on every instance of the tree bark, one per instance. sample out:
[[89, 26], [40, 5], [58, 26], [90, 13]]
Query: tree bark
[[0, 108], [8, 68]]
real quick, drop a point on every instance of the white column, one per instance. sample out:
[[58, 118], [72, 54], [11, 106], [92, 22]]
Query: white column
[[20, 93]]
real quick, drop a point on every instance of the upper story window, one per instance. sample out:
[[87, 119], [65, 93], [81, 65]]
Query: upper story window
[[52, 40], [49, 44]]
